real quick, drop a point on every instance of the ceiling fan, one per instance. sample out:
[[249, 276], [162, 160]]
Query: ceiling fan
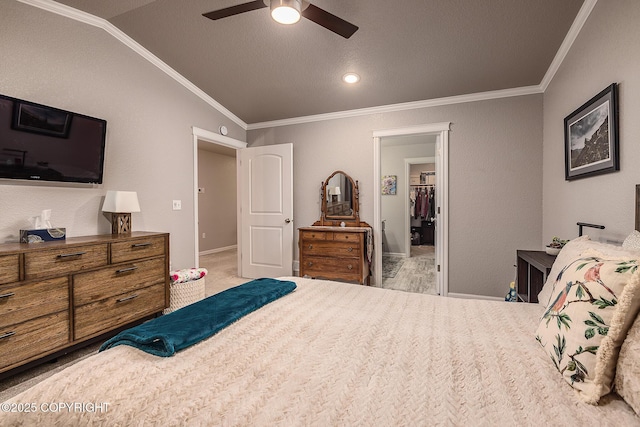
[[289, 12]]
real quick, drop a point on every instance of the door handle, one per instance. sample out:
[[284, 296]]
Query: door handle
[[287, 220]]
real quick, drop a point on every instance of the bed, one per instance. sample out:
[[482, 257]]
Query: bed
[[328, 354]]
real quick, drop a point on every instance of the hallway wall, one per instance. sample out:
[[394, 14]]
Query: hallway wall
[[217, 205]]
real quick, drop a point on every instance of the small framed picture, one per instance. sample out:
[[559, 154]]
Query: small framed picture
[[591, 137], [389, 183]]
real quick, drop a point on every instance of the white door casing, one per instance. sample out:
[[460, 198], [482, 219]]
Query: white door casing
[[265, 181]]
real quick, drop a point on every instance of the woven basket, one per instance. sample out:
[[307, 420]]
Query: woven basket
[[185, 293]]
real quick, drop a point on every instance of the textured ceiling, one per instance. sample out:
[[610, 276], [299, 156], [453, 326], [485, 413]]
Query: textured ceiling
[[405, 50]]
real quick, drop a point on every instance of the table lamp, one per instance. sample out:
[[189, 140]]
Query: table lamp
[[120, 204]]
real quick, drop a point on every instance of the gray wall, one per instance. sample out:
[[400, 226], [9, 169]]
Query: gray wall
[[217, 206], [495, 178], [59, 62], [606, 51]]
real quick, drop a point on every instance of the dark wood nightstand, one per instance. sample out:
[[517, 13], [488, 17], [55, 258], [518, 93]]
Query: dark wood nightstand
[[533, 268]]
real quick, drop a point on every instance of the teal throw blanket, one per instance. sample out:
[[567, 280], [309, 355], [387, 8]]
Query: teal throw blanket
[[165, 335]]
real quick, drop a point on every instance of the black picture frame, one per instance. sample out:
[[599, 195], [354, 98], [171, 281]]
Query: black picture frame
[[591, 137], [36, 118]]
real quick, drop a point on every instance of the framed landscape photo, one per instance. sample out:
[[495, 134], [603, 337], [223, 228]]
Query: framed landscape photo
[[591, 137]]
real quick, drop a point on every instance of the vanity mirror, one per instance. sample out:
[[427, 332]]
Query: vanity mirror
[[339, 195], [339, 246]]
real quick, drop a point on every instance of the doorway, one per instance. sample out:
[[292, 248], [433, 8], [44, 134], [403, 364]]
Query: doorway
[[439, 132], [266, 170], [219, 144], [408, 237]]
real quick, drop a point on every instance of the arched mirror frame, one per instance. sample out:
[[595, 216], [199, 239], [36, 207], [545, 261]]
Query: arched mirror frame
[[352, 220]]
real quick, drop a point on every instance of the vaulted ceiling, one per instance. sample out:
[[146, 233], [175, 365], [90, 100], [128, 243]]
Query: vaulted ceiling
[[404, 50]]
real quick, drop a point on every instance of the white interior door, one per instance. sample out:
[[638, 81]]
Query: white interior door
[[266, 211]]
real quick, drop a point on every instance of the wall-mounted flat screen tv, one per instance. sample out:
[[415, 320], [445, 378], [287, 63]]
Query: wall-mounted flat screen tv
[[48, 144]]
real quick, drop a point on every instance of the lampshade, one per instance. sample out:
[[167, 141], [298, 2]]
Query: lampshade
[[286, 11], [121, 201], [337, 191]]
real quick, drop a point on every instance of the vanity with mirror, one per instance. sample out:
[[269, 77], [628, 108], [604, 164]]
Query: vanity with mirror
[[338, 246]]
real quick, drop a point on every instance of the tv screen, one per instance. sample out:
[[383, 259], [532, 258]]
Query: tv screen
[[48, 144]]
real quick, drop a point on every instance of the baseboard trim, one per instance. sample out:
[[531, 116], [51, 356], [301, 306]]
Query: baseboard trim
[[215, 251], [472, 296]]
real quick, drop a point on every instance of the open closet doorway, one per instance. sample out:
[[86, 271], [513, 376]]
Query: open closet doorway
[[394, 152], [408, 213]]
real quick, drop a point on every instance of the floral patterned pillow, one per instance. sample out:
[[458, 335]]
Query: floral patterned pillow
[[592, 308]]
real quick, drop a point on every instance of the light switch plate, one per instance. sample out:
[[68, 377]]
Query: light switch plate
[[177, 205]]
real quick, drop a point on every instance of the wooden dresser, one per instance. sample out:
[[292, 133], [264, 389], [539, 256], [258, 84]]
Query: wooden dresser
[[57, 295], [338, 253]]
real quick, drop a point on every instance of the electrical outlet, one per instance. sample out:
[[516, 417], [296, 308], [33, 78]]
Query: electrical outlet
[[204, 235], [177, 205]]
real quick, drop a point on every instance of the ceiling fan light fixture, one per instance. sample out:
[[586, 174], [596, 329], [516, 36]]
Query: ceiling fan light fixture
[[286, 11], [351, 78]]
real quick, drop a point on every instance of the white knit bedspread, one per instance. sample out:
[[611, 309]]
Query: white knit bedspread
[[335, 354]]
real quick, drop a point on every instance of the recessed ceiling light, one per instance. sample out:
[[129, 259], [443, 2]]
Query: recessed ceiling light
[[351, 78]]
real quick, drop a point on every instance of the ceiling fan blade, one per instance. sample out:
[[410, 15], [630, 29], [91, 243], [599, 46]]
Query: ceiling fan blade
[[329, 21], [235, 10]]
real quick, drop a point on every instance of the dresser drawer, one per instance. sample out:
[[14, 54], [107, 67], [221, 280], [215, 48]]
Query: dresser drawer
[[64, 260], [117, 279], [33, 338], [107, 314], [348, 269], [313, 235], [333, 249], [136, 249], [9, 268], [24, 302], [347, 237]]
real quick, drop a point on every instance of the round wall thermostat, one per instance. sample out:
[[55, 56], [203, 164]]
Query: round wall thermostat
[[223, 130]]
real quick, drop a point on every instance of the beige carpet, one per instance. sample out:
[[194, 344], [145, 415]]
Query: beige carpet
[[416, 273], [222, 274], [222, 270]]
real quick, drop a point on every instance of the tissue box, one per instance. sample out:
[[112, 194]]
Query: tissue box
[[42, 235]]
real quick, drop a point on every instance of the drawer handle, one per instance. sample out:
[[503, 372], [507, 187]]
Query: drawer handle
[[310, 246], [140, 245], [350, 267], [309, 263], [7, 334], [75, 254], [128, 298], [126, 270], [350, 249], [7, 295]]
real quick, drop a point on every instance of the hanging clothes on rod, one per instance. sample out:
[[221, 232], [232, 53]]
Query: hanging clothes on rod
[[412, 202], [424, 208], [431, 215]]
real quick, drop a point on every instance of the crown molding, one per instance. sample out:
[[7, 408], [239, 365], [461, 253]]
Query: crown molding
[[578, 23], [437, 102], [571, 36], [87, 18]]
